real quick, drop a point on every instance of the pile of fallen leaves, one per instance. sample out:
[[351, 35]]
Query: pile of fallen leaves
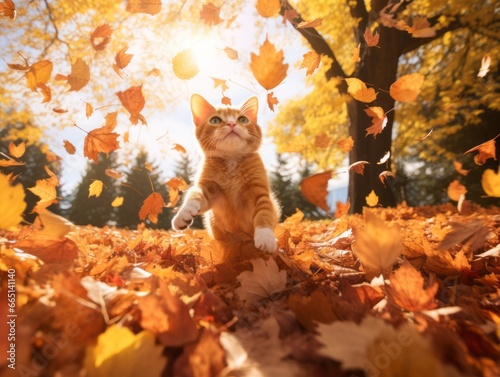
[[392, 292]]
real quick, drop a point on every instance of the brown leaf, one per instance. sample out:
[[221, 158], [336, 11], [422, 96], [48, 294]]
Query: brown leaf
[[122, 59], [152, 207], [271, 100], [210, 14], [133, 101], [100, 37], [226, 101], [268, 67], [70, 148], [19, 67], [383, 176], [89, 110], [322, 141], [177, 183], [101, 139], [314, 189], [151, 7], [113, 173], [59, 110], [8, 9], [311, 61], [473, 233], [79, 76], [370, 38], [358, 167], [379, 120], [313, 309], [49, 249], [486, 150]]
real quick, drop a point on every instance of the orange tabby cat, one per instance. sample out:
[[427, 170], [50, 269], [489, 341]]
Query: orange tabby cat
[[232, 188]]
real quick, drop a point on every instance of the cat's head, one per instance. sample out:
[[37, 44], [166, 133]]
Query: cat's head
[[226, 130]]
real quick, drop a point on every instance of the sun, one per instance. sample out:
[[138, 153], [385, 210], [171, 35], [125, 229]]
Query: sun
[[212, 61]]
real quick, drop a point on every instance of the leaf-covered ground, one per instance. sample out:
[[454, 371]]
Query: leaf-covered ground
[[393, 292]]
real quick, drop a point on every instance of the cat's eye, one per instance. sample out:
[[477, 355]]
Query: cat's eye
[[215, 120], [243, 119]]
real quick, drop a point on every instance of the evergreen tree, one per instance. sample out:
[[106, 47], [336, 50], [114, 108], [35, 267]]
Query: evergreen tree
[[93, 210]]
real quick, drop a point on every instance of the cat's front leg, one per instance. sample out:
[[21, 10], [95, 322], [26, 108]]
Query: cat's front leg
[[195, 203], [265, 240]]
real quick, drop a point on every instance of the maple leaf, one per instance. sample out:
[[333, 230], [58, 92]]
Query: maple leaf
[[133, 101], [486, 150], [265, 281], [70, 148], [310, 24], [184, 64], [372, 199], [221, 83], [421, 28], [231, 53], [39, 74], [152, 207], [346, 144], [122, 59], [210, 14], [358, 167], [79, 76], [120, 352], [379, 120], [117, 202], [491, 182], [8, 9], [358, 90], [378, 245], [268, 67], [407, 290], [52, 177], [370, 38], [456, 190], [100, 37], [271, 100], [313, 309], [46, 191], [268, 8], [102, 139], [18, 150], [407, 87], [341, 209], [12, 204], [151, 7], [485, 66], [314, 188], [95, 188], [311, 61], [444, 264]]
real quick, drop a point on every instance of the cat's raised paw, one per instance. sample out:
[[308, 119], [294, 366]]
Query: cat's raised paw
[[185, 215], [265, 240]]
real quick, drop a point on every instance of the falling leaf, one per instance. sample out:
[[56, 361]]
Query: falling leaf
[[12, 204], [372, 199], [89, 110], [459, 168], [54, 225], [221, 83], [133, 101], [355, 53], [341, 209], [231, 53], [46, 191], [184, 65], [310, 24], [358, 90], [268, 8], [39, 74], [383, 176], [486, 150], [46, 92], [79, 76], [491, 182], [152, 207], [95, 188], [407, 87], [358, 167], [117, 202], [177, 183], [271, 100], [101, 139], [384, 158], [179, 148], [59, 111], [456, 190], [70, 148], [101, 37], [379, 120], [122, 59], [18, 150], [407, 290], [19, 67], [322, 141], [230, 21], [378, 245], [226, 101], [8, 9], [311, 61], [5, 163], [122, 353], [370, 38], [210, 14], [314, 188], [485, 66], [262, 283], [268, 67], [151, 7], [346, 144], [421, 28]]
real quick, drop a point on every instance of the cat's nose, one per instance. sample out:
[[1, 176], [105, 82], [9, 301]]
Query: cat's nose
[[231, 124]]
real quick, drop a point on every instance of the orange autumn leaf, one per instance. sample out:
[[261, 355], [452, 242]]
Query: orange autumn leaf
[[59, 110], [133, 101], [459, 168], [100, 37], [407, 87], [379, 120], [384, 175], [341, 209], [268, 8], [268, 67], [226, 101], [456, 190], [184, 65], [355, 53], [322, 140], [70, 148], [314, 189], [113, 173], [101, 139], [79, 76], [346, 144], [8, 9], [421, 28], [152, 207], [311, 61], [210, 14], [384, 158], [17, 150], [151, 7], [370, 38], [486, 150], [310, 24], [6, 163], [271, 100], [230, 21], [359, 91], [122, 59], [45, 189], [89, 110], [19, 67], [231, 53], [221, 83], [358, 167], [39, 74], [177, 183], [179, 148]]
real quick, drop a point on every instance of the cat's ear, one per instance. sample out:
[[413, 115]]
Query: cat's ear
[[201, 109], [250, 109]]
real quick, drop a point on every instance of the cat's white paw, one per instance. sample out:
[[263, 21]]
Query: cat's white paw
[[185, 215], [265, 240]]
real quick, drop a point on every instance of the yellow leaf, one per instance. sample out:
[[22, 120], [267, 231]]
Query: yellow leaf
[[345, 144], [117, 202], [372, 199], [184, 65], [17, 150], [120, 352], [359, 91], [407, 87], [39, 73], [268, 67], [311, 61], [12, 204], [45, 189], [54, 225], [268, 8], [491, 182], [95, 188]]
